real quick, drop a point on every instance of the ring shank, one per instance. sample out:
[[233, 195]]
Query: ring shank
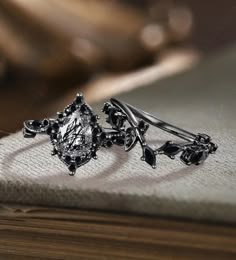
[[152, 120]]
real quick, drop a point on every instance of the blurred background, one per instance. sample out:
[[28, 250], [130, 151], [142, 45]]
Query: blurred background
[[50, 50]]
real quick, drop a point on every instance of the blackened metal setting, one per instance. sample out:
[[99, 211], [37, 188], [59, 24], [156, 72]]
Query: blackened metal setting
[[76, 135]]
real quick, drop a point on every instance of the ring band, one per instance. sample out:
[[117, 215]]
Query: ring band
[[76, 134]]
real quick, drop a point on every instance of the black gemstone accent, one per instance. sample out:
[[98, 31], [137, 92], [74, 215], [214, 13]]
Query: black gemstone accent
[[45, 122], [54, 136], [95, 130], [170, 149], [106, 108], [93, 119], [54, 152], [36, 123], [73, 108], [119, 141], [109, 143], [213, 147], [185, 156], [72, 168], [198, 157], [103, 136], [79, 99], [141, 124], [149, 156], [130, 138], [95, 139], [83, 108], [113, 118], [60, 115], [78, 160], [55, 126], [68, 159], [94, 154], [49, 130]]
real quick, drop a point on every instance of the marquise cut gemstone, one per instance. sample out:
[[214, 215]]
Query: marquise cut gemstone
[[74, 137]]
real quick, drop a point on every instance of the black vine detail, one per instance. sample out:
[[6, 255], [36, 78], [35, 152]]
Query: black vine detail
[[195, 152]]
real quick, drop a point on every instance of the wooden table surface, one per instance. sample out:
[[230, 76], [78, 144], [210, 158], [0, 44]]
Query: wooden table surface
[[30, 232]]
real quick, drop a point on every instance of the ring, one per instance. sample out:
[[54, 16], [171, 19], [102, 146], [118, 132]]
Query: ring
[[76, 134]]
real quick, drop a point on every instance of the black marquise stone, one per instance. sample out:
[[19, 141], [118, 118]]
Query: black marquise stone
[[171, 149], [149, 156]]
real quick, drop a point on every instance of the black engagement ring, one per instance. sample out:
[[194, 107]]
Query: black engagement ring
[[76, 135]]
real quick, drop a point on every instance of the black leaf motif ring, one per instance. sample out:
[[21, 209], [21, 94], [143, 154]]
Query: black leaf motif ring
[[76, 135]]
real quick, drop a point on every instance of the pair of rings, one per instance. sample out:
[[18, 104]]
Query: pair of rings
[[76, 134]]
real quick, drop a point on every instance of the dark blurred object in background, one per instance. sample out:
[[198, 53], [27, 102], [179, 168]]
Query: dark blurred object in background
[[50, 47], [58, 39]]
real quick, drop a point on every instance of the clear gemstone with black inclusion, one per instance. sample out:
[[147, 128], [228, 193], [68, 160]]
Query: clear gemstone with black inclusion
[[75, 138]]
